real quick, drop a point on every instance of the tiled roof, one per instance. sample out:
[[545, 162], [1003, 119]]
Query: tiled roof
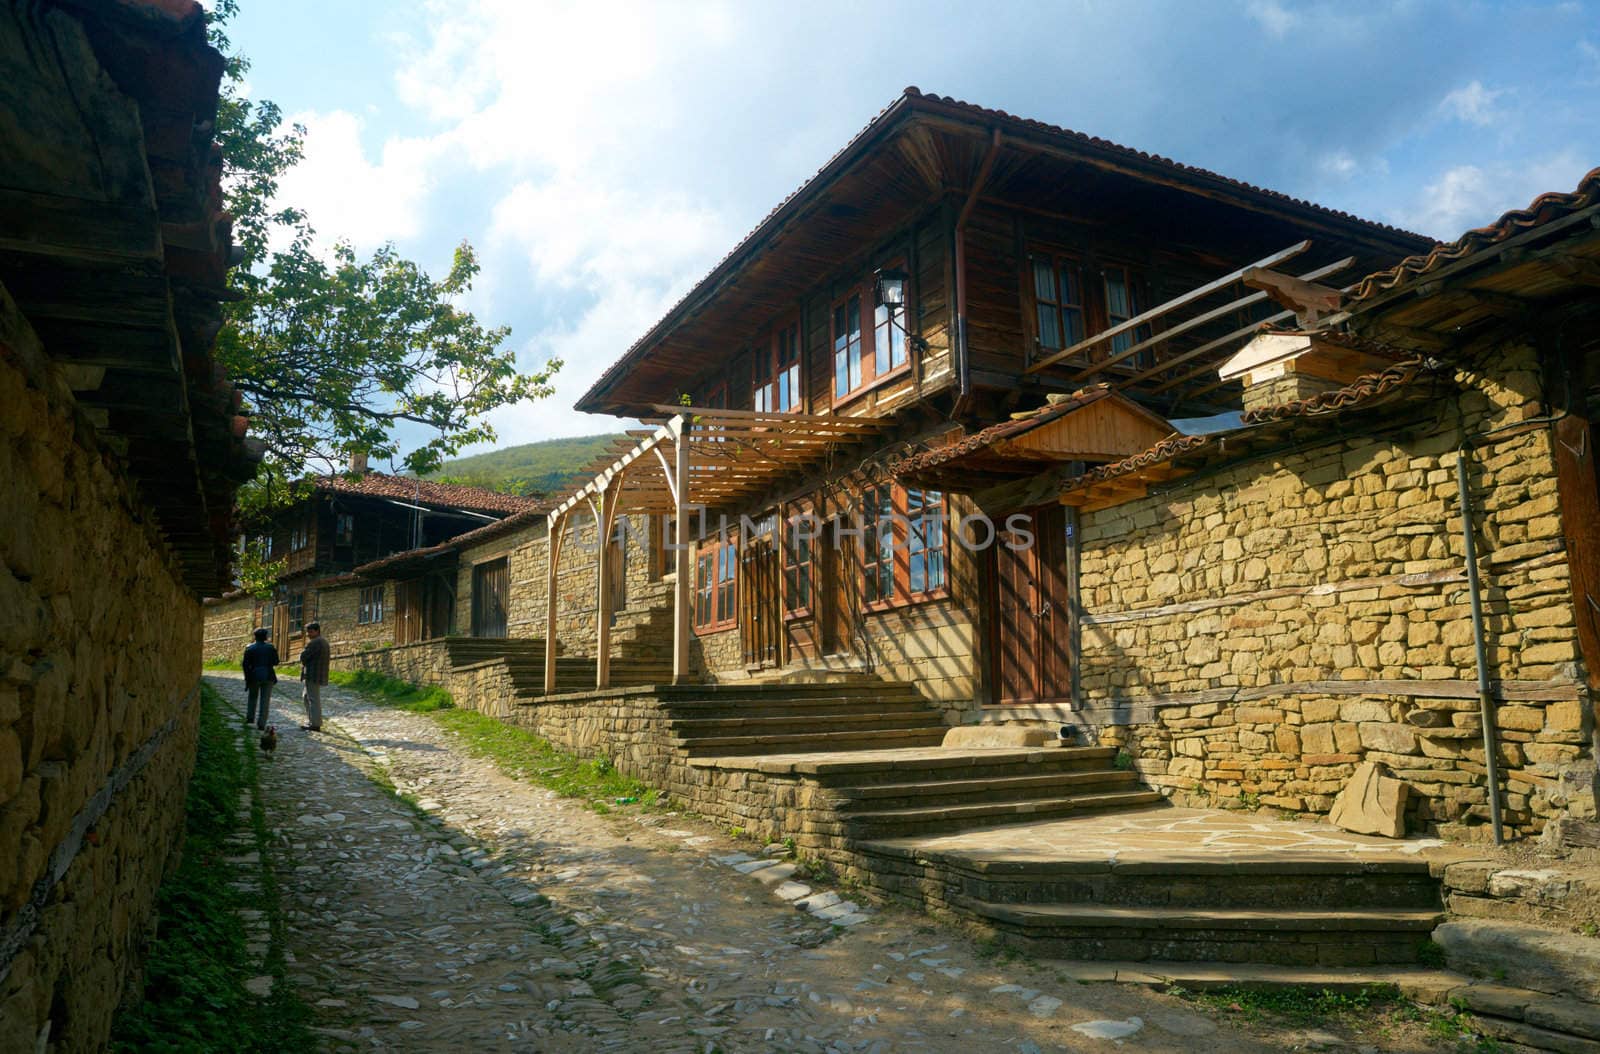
[[425, 492], [913, 97], [1362, 392], [1544, 209], [1004, 430]]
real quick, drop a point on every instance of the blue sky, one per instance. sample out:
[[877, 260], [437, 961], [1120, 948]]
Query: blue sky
[[603, 157]]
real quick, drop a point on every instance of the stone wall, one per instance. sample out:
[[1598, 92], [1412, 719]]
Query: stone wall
[[338, 612], [99, 665], [229, 624], [1255, 635]]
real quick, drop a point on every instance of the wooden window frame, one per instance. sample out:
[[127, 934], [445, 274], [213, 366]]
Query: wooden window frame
[[768, 369], [866, 292], [899, 560], [795, 568], [1133, 282], [344, 528], [297, 612], [369, 606], [1059, 259], [720, 590]]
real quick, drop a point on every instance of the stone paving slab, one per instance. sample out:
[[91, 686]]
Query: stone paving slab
[[1161, 834]]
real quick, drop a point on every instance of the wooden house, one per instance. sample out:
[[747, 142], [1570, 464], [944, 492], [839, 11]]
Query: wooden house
[[347, 521], [959, 301]]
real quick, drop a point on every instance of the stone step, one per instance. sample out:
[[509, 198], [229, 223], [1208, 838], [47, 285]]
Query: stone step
[[982, 764], [1176, 882], [761, 722], [1293, 937], [803, 713], [917, 793], [943, 818], [802, 743], [1534, 1019], [1523, 955]]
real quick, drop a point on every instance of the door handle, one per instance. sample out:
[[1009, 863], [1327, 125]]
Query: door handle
[[1044, 611]]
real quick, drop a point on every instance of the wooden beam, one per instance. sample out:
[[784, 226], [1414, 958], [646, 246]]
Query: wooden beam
[[680, 587], [1308, 300], [605, 520], [1144, 318], [557, 529]]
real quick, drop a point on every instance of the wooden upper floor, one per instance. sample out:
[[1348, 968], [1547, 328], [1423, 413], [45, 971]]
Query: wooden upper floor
[[949, 253]]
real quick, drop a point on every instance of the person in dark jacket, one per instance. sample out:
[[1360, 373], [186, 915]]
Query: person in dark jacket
[[314, 674], [260, 674]]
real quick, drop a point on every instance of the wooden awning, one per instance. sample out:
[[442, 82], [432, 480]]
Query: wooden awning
[[733, 456], [1095, 425]]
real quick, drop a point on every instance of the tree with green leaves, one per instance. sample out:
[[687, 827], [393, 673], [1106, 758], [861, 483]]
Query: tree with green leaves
[[342, 353]]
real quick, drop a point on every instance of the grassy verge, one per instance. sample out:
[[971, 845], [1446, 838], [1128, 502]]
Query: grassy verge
[[194, 995], [287, 671], [1375, 1010], [515, 751]]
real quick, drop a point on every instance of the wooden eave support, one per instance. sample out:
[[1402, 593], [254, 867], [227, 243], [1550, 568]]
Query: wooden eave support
[[1309, 301]]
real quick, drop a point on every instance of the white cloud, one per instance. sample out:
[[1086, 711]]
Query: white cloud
[[1272, 16], [1472, 103], [345, 196], [1469, 196]]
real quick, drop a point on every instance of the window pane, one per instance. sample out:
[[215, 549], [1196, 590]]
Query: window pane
[[1073, 319], [897, 337], [1044, 282], [1049, 329], [1118, 306], [882, 334], [1069, 285]]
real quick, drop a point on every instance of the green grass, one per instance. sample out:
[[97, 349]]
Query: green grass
[[286, 671], [515, 751], [543, 467], [1297, 1003], [194, 999], [388, 691]]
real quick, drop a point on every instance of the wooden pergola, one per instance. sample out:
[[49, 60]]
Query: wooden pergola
[[695, 458]]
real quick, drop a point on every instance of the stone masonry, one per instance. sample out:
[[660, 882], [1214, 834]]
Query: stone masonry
[[1253, 637], [99, 657]]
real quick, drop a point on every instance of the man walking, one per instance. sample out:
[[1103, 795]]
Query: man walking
[[314, 674], [260, 674]]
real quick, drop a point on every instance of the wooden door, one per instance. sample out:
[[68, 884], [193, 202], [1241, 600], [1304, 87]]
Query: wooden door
[[836, 592], [407, 612], [1578, 481], [490, 590], [1031, 628], [760, 603]]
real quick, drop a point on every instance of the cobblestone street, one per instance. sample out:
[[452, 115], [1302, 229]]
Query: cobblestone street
[[511, 919]]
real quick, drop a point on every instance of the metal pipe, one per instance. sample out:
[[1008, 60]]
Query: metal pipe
[[1485, 701]]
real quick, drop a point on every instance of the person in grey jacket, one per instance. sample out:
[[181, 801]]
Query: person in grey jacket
[[314, 674], [260, 674]]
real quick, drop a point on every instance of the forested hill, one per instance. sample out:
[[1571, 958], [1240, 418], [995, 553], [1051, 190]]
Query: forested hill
[[542, 467]]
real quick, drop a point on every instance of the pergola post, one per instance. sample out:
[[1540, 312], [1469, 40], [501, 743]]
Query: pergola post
[[604, 522], [557, 529], [681, 587]]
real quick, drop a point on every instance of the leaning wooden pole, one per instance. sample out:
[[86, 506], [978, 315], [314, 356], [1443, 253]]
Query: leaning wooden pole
[[604, 600], [680, 588]]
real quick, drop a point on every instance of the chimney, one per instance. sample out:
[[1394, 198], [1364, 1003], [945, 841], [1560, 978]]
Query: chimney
[[358, 462]]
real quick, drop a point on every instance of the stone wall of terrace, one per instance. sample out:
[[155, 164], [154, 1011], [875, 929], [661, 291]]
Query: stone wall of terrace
[[1255, 634]]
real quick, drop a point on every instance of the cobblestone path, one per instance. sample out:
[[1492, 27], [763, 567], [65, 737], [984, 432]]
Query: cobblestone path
[[510, 919]]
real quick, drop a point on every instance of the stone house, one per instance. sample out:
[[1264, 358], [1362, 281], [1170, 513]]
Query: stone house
[[346, 521], [1216, 472], [120, 451]]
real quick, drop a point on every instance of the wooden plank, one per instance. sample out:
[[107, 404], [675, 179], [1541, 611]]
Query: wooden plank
[[681, 584], [1145, 318], [1575, 454]]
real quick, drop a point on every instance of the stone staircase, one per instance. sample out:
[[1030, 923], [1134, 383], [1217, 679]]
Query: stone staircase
[[846, 713]]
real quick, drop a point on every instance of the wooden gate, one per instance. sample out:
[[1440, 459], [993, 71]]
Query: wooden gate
[[490, 589], [1031, 625], [760, 603]]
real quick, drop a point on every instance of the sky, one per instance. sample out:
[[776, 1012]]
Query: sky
[[602, 158]]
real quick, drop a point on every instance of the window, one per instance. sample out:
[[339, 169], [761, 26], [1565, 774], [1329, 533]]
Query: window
[[847, 346], [344, 529], [877, 558], [1058, 302], [1123, 303], [369, 609], [777, 372], [716, 585], [264, 541], [266, 617], [798, 561], [924, 540], [299, 536], [904, 549], [888, 339], [297, 612]]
